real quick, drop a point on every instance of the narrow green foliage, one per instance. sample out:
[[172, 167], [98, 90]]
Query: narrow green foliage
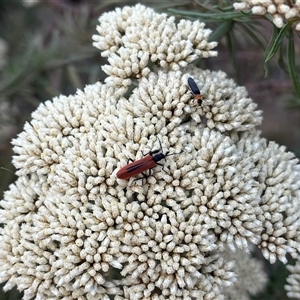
[[231, 45], [281, 62], [277, 41], [275, 32], [205, 5], [291, 62], [223, 29], [252, 33], [74, 76], [211, 17]]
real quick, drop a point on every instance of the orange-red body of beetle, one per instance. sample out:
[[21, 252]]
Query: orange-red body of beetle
[[195, 90], [139, 166]]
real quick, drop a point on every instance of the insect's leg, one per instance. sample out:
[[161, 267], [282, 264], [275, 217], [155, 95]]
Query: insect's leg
[[187, 88], [145, 176], [160, 144]]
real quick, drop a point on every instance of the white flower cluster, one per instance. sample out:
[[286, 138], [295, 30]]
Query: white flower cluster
[[293, 280], [74, 230], [280, 10], [280, 194], [251, 279], [135, 39]]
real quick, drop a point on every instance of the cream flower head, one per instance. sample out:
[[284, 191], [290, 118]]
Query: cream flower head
[[135, 39], [73, 229], [280, 194], [251, 278], [293, 280], [280, 10]]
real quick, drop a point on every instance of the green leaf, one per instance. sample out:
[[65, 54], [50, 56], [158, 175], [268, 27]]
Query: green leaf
[[222, 16], [291, 62], [205, 5], [74, 76], [221, 31], [281, 61], [251, 32], [275, 32], [231, 46], [278, 41]]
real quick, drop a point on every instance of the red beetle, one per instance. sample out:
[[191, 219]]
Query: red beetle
[[195, 90], [139, 166]]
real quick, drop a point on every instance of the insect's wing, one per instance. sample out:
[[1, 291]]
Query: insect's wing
[[193, 86], [136, 167]]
